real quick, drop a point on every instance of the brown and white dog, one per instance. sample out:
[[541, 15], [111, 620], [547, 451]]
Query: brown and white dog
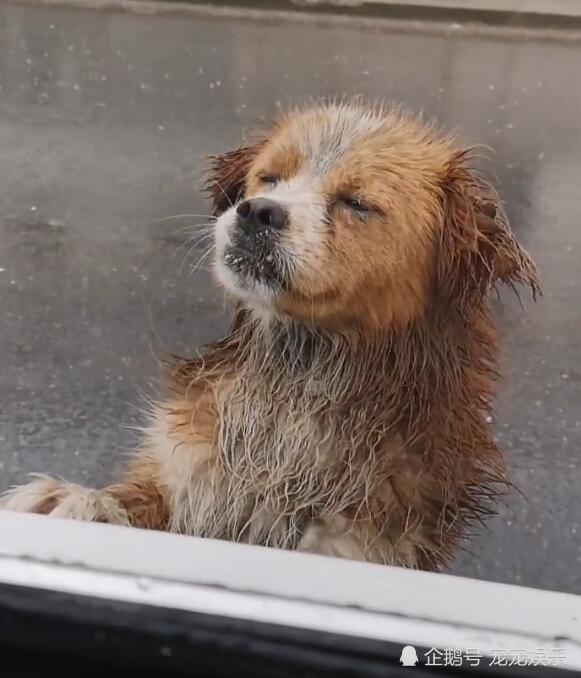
[[345, 413]]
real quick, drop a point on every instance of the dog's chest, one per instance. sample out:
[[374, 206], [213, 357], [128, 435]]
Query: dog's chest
[[285, 453], [271, 437], [289, 450]]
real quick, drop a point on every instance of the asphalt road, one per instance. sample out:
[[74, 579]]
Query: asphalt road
[[104, 121]]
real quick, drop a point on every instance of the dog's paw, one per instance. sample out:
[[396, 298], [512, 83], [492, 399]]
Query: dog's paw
[[39, 496], [60, 499]]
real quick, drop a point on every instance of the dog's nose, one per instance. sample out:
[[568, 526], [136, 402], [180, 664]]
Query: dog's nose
[[258, 214]]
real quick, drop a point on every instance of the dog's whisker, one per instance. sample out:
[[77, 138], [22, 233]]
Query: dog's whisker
[[178, 216], [195, 240], [200, 233], [191, 251], [194, 228], [203, 258], [219, 185]]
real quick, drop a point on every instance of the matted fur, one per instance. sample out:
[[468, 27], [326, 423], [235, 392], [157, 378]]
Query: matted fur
[[349, 416]]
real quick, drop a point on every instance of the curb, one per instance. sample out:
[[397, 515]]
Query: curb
[[510, 13], [431, 17]]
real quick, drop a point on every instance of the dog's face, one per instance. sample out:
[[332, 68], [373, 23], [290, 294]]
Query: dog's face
[[343, 215]]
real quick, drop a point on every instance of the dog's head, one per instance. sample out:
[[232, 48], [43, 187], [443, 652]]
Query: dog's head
[[341, 214]]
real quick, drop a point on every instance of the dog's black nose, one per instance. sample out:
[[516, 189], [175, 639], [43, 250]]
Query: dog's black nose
[[258, 214]]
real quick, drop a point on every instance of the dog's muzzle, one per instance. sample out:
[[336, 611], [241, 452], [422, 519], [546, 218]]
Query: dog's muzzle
[[254, 240]]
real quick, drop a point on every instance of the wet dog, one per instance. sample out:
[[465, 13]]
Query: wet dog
[[346, 411]]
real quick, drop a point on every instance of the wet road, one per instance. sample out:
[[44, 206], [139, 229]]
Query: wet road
[[104, 121]]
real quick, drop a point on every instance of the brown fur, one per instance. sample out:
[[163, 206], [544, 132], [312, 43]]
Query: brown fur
[[354, 422]]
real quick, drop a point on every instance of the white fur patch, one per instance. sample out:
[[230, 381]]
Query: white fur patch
[[185, 474], [27, 498], [335, 537], [71, 501], [342, 126], [304, 201]]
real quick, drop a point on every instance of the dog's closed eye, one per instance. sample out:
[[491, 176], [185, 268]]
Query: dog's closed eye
[[355, 205], [270, 180]]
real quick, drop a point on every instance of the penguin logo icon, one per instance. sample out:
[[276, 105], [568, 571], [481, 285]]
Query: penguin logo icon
[[409, 656]]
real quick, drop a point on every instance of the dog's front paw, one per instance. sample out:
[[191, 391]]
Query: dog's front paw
[[42, 495], [60, 499]]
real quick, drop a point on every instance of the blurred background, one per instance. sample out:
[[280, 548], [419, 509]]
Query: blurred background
[[105, 119]]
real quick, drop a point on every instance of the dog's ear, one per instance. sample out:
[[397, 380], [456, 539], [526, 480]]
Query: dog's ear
[[477, 249], [227, 175]]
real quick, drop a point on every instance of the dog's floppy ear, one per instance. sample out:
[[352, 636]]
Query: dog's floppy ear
[[477, 250], [227, 174]]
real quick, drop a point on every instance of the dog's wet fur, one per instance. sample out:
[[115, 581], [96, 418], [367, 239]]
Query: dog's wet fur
[[347, 410]]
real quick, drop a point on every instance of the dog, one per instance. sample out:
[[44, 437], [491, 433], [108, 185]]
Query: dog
[[346, 412]]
